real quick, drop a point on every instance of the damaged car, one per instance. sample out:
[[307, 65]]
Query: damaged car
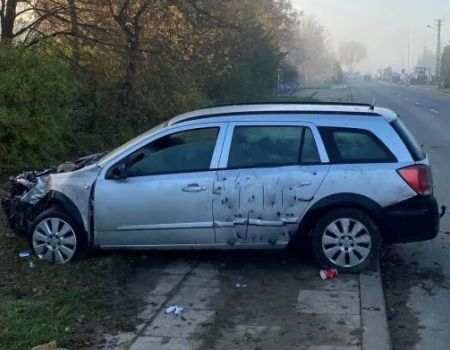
[[344, 176]]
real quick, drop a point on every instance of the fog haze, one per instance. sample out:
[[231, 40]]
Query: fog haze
[[383, 26]]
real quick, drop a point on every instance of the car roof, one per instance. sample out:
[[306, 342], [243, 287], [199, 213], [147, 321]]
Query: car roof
[[328, 108]]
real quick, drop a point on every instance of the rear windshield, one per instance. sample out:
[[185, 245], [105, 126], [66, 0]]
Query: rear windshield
[[408, 139]]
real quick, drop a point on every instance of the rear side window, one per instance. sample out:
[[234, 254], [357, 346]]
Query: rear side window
[[264, 146], [348, 145], [408, 139]]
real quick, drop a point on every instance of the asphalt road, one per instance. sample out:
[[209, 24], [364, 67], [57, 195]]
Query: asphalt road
[[417, 275]]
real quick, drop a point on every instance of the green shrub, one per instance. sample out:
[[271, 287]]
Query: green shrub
[[39, 99]]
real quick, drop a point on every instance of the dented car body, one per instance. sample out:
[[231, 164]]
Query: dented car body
[[241, 176]]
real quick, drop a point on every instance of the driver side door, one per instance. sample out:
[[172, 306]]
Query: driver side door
[[166, 197]]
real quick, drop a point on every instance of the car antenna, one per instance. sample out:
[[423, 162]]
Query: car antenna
[[372, 105]]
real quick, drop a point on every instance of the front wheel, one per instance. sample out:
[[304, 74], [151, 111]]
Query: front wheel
[[346, 239], [55, 237]]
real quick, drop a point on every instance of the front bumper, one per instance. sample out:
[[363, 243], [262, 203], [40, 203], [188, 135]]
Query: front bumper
[[412, 220], [20, 215]]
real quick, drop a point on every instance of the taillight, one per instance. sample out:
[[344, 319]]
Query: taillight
[[419, 178]]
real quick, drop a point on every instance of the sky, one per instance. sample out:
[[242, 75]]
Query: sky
[[383, 25]]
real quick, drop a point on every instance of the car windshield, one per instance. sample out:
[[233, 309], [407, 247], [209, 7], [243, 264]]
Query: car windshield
[[131, 142]]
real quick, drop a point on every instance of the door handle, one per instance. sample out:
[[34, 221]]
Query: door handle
[[193, 188]]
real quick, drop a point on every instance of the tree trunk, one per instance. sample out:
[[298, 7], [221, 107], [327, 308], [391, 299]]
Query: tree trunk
[[74, 40], [8, 18]]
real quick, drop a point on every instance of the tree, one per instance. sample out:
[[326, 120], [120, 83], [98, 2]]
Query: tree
[[351, 53], [141, 61], [19, 19], [445, 67]]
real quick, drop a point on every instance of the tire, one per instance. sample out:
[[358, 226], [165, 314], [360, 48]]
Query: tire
[[55, 237], [346, 239]]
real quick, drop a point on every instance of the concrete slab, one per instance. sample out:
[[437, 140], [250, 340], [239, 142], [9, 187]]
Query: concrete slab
[[205, 270], [169, 325], [324, 302], [165, 343], [308, 332], [196, 281], [152, 303], [341, 282], [119, 341], [177, 267], [195, 298], [166, 284]]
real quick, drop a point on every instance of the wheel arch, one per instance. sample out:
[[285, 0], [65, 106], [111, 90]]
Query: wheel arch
[[58, 199], [335, 201]]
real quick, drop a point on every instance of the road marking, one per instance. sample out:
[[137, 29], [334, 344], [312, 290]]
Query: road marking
[[417, 104], [434, 111]]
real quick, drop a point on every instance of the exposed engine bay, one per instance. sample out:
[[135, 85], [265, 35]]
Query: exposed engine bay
[[28, 189]]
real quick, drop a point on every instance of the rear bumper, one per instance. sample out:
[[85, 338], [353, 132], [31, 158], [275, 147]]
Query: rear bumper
[[412, 220]]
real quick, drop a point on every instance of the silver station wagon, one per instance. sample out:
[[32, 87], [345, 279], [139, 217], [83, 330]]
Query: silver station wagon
[[344, 176]]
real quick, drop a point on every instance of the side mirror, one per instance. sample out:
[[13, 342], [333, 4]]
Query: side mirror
[[119, 172]]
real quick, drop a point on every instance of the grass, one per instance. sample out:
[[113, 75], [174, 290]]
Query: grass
[[445, 91], [65, 303]]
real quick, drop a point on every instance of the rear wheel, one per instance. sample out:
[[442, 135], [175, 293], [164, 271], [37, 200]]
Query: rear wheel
[[55, 237], [346, 239]]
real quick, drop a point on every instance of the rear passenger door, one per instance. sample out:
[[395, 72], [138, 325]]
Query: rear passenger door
[[268, 174]]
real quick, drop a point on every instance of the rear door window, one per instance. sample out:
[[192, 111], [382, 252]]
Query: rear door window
[[267, 146], [310, 154], [348, 145]]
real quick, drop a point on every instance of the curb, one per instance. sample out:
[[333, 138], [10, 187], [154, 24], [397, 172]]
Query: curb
[[375, 328]]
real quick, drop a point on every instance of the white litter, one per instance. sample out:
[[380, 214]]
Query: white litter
[[31, 264], [239, 285], [176, 310], [24, 254]]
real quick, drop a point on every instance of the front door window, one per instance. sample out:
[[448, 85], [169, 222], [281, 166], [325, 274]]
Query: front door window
[[186, 151]]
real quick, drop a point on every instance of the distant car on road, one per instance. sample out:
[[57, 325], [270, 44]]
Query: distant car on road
[[344, 176]]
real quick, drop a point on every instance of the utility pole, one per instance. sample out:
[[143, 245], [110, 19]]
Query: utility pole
[[438, 49], [408, 69]]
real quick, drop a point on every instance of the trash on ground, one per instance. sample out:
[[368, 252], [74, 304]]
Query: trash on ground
[[327, 274], [241, 285], [175, 309], [24, 254], [31, 264]]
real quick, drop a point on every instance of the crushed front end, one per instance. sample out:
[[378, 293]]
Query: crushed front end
[[22, 204], [26, 198]]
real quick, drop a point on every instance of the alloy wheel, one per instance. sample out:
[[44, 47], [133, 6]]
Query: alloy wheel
[[346, 242], [54, 240]]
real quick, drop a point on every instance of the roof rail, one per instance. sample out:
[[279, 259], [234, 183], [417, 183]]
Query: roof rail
[[291, 103]]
